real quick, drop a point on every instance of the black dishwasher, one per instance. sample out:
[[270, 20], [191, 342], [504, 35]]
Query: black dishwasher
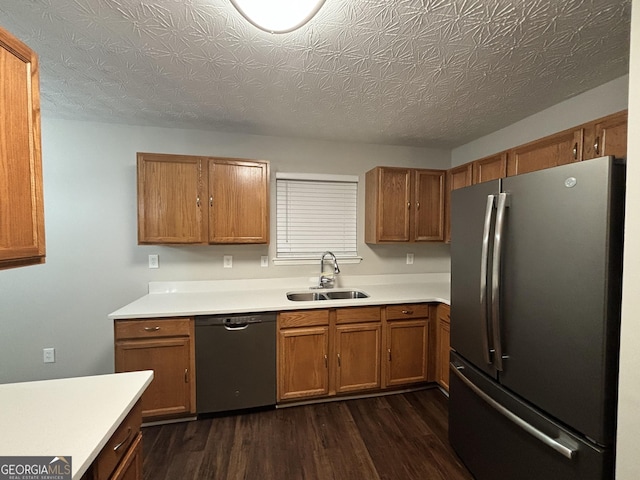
[[235, 362]]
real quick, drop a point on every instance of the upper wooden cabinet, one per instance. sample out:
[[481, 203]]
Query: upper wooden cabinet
[[490, 168], [173, 190], [404, 205], [21, 199], [559, 149], [607, 136]]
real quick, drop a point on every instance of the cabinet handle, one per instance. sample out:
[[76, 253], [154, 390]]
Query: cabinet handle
[[326, 362], [198, 201], [186, 375], [389, 352], [126, 438], [151, 329], [407, 312], [408, 205], [339, 363], [418, 205], [596, 145], [211, 201], [575, 151]]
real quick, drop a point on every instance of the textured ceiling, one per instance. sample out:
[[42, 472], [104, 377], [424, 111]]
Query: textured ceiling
[[407, 72]]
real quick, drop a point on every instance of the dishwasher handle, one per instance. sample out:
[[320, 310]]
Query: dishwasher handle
[[234, 326]]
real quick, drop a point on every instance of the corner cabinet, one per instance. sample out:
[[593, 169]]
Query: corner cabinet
[[166, 346], [404, 205], [185, 199], [21, 199]]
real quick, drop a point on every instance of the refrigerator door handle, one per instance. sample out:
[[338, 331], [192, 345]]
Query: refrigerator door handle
[[564, 450], [484, 267], [495, 280]]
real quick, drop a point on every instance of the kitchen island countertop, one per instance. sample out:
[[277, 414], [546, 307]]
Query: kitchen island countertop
[[170, 299], [73, 417]]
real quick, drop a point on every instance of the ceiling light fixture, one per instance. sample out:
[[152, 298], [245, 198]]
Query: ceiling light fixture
[[278, 16]]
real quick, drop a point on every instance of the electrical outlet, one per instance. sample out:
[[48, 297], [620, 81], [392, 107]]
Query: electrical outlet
[[153, 261], [227, 261], [409, 258], [49, 355], [264, 261]]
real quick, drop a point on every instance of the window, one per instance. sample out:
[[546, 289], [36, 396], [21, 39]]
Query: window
[[315, 213]]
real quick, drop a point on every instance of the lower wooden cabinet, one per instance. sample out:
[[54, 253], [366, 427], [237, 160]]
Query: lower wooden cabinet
[[121, 457], [407, 344], [165, 346], [303, 362], [350, 350], [443, 340], [357, 349]]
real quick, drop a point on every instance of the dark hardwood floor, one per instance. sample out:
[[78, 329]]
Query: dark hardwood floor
[[393, 437]]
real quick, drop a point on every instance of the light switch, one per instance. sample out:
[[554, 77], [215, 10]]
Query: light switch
[[153, 261]]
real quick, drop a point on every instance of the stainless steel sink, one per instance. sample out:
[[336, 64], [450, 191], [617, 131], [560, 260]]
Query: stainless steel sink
[[306, 296], [346, 294], [326, 295]]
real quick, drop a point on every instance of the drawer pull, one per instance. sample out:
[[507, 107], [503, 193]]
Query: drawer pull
[[151, 329], [407, 312], [126, 439]]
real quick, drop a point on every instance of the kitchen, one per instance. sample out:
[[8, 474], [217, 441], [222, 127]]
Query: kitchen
[[94, 265]]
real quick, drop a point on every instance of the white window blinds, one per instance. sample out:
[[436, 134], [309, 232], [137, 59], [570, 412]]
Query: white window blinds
[[316, 213]]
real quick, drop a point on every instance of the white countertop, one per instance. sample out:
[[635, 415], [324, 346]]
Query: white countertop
[[167, 299], [72, 417]]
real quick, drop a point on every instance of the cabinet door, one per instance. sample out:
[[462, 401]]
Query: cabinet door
[[358, 357], [303, 367], [443, 346], [490, 168], [21, 201], [169, 394], [559, 149], [429, 205], [388, 203], [238, 201], [608, 136], [170, 198], [407, 348]]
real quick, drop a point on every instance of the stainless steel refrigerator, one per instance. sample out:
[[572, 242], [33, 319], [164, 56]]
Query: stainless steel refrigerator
[[536, 263]]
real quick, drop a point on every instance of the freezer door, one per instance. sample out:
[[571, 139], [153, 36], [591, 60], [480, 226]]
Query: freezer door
[[499, 437], [470, 329], [560, 293]]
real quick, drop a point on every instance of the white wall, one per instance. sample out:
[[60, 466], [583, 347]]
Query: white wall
[[94, 265], [601, 101], [628, 463]]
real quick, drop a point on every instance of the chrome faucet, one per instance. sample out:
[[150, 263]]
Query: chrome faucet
[[327, 281]]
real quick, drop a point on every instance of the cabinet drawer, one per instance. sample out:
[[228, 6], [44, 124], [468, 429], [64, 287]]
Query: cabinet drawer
[[303, 318], [411, 310], [164, 327], [118, 445], [357, 314]]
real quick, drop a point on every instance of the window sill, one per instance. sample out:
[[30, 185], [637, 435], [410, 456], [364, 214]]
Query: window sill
[[313, 261]]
